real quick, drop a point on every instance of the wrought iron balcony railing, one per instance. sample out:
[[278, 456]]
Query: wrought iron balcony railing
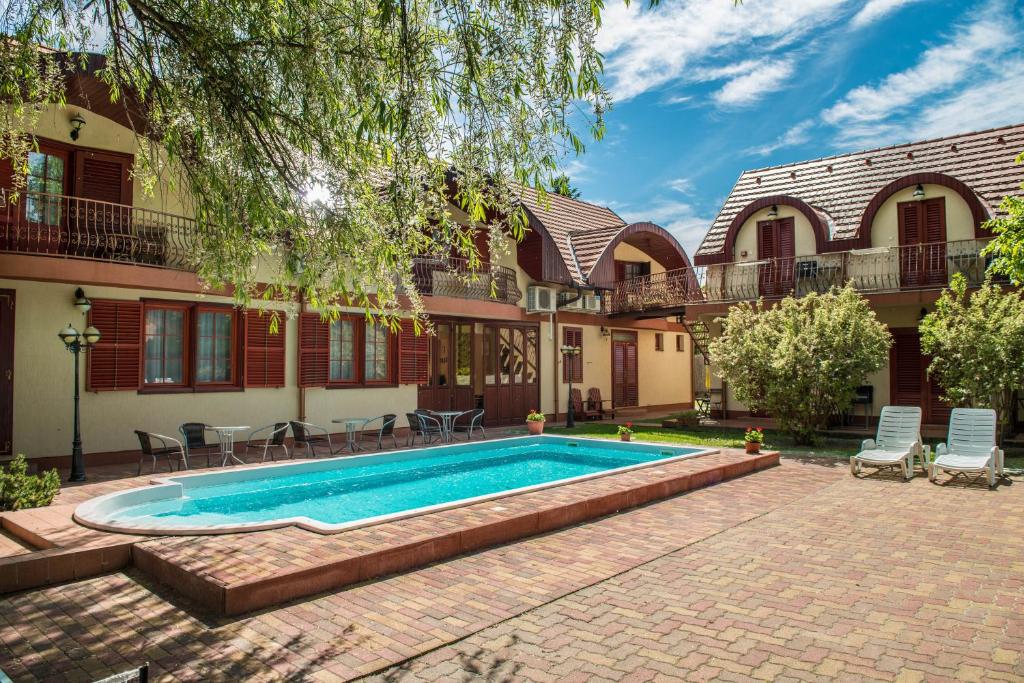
[[64, 226], [874, 270], [454, 277]]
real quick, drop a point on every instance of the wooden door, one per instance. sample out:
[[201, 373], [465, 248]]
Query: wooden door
[[625, 386], [908, 377], [922, 235], [511, 373], [776, 243], [101, 220], [6, 371], [450, 368]]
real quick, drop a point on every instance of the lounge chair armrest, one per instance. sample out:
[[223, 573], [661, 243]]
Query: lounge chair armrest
[[997, 459], [867, 444], [941, 449]]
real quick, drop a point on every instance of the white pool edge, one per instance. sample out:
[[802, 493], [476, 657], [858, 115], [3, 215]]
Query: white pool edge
[[160, 487]]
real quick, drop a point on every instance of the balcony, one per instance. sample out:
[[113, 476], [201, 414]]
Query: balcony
[[73, 227], [874, 270], [455, 278]]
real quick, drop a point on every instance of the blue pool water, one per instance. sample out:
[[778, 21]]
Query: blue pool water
[[344, 490]]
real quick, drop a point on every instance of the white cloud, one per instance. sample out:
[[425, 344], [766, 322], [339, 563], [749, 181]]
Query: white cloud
[[797, 135], [681, 185], [575, 168], [875, 10], [751, 86], [938, 69], [698, 40], [679, 218]]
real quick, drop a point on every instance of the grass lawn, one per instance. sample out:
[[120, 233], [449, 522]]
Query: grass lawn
[[829, 447]]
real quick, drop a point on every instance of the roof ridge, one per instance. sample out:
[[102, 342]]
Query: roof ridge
[[884, 148]]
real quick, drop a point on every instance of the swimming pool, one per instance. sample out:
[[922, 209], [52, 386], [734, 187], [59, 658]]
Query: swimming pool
[[331, 495]]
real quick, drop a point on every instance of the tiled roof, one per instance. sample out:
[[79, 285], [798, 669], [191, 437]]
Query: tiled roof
[[842, 186], [579, 229]]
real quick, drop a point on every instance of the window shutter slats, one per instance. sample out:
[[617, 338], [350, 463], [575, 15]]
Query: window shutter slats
[[413, 355], [572, 366], [114, 363], [314, 350], [264, 351]]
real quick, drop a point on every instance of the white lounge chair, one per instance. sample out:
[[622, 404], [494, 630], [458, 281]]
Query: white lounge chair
[[970, 447], [896, 444]]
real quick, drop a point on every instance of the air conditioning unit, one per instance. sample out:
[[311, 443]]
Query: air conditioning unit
[[592, 303], [576, 305], [540, 299]]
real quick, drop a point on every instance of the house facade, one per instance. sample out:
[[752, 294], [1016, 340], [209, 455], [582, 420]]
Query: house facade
[[173, 351], [897, 222]]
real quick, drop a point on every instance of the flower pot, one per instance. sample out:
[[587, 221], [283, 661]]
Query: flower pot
[[625, 437], [535, 426], [752, 446]]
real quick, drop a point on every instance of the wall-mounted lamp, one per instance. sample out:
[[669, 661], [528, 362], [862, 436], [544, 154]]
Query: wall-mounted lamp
[[605, 332], [82, 304], [919, 192], [774, 211], [77, 121], [923, 314]]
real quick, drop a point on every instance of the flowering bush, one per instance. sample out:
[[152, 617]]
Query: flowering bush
[[626, 428], [534, 416], [20, 490], [754, 435]]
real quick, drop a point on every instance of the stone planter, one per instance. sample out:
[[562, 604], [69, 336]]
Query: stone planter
[[752, 447], [624, 437], [535, 426]]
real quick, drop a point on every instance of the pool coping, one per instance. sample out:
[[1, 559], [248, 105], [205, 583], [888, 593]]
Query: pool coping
[[169, 487], [195, 567]]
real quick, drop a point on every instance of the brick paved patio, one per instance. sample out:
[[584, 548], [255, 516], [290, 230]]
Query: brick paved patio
[[799, 572]]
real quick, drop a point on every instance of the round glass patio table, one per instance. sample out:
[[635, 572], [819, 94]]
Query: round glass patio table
[[352, 425], [227, 443], [447, 421]]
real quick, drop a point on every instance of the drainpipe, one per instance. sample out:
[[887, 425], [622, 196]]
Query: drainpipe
[[553, 335], [298, 355]]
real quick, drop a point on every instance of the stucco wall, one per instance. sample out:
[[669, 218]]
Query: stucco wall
[[959, 221], [746, 237]]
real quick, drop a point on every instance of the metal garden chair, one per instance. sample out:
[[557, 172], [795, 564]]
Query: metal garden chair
[[269, 439], [164, 449]]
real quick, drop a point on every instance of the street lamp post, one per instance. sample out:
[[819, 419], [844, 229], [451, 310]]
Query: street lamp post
[[568, 353], [78, 343]]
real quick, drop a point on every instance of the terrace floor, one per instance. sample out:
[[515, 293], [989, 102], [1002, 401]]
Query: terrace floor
[[797, 572]]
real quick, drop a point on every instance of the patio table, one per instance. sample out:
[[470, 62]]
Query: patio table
[[447, 422], [227, 443], [351, 425]]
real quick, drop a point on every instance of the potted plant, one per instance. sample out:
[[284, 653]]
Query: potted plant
[[688, 418], [626, 431], [752, 439], [535, 422]]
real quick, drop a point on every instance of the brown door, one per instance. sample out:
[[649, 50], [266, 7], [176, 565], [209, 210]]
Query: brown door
[[776, 243], [625, 387], [511, 374], [101, 221], [450, 378], [922, 233], [6, 371], [909, 381]]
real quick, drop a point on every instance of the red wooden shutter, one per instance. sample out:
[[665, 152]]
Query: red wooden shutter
[[115, 362], [103, 177], [935, 220], [906, 368], [314, 350], [264, 351], [632, 386], [572, 366], [934, 233], [766, 240], [6, 173], [909, 223], [785, 230], [413, 355]]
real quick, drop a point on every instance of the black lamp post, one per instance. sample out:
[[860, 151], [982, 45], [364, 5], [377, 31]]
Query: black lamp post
[[568, 353], [78, 343]]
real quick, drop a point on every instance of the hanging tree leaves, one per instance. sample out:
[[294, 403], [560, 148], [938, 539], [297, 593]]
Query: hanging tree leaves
[[390, 108]]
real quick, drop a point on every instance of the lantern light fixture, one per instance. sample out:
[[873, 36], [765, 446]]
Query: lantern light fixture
[[919, 192], [82, 303], [77, 122]]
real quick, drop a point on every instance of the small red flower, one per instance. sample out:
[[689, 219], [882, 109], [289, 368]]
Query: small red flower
[[629, 424]]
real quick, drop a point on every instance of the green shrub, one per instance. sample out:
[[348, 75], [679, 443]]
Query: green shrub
[[20, 490]]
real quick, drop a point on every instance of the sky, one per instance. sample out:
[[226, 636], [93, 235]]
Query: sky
[[705, 89]]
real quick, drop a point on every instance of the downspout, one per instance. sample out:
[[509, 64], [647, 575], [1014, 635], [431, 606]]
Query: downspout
[[298, 356], [553, 335]]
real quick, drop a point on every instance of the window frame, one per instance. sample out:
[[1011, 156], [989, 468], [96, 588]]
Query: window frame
[[680, 343], [357, 341], [659, 341], [390, 350], [189, 348], [233, 345], [359, 357]]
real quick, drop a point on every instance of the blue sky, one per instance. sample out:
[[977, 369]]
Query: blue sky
[[704, 89]]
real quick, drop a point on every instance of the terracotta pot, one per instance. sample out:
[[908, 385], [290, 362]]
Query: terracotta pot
[[535, 426], [625, 437], [752, 446]]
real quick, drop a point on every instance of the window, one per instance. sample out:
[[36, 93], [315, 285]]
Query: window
[[659, 341], [215, 343], [572, 366], [343, 351], [680, 342], [376, 360], [164, 344], [627, 270], [46, 177]]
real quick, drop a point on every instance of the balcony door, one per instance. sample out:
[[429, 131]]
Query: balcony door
[[908, 377], [450, 380], [625, 384], [922, 234], [6, 371], [776, 244], [511, 372]]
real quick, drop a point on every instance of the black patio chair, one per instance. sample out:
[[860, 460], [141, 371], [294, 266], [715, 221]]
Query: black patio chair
[[387, 428], [163, 450], [423, 425], [310, 437], [269, 439], [468, 421], [194, 438]]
